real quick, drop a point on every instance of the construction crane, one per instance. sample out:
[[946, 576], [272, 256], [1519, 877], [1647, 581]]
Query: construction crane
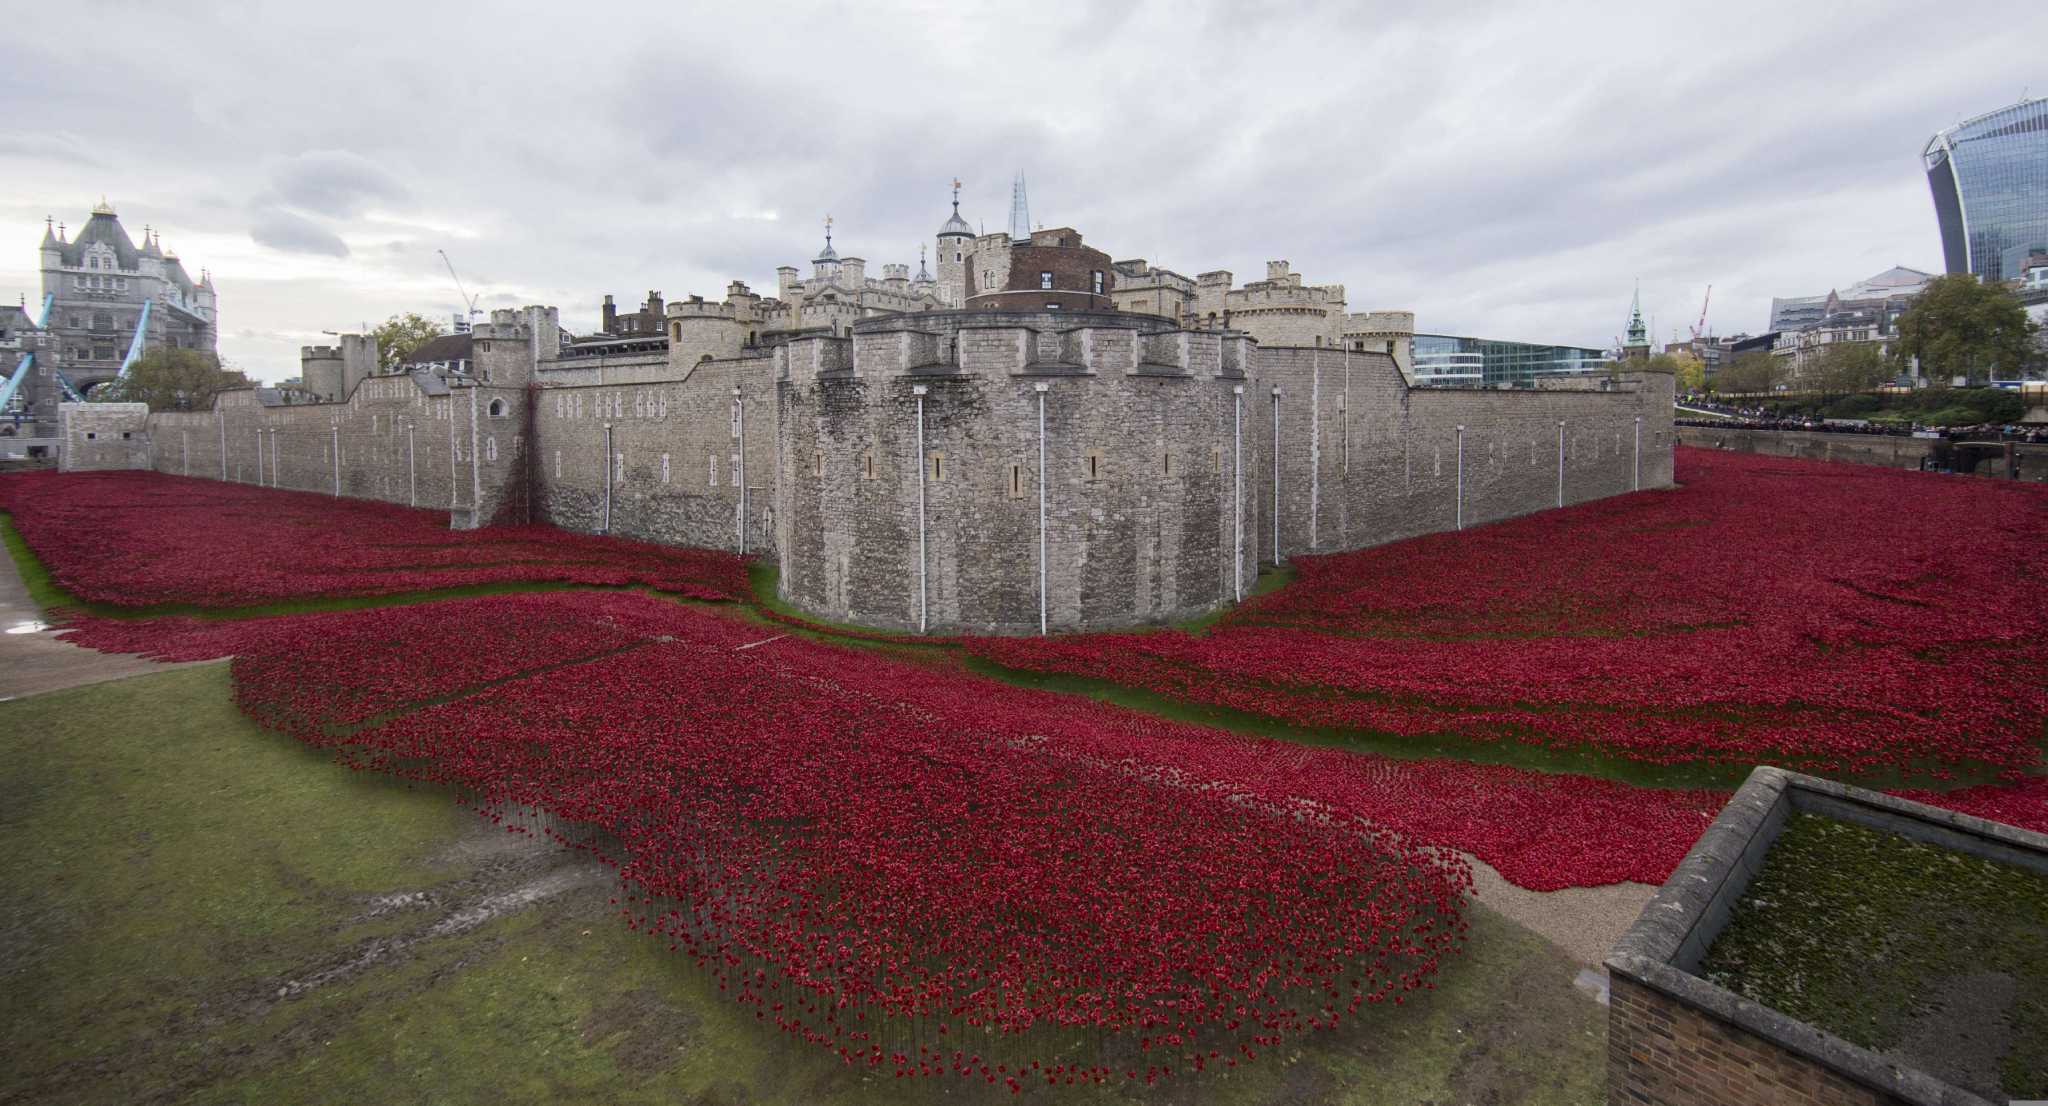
[[468, 301], [1699, 330]]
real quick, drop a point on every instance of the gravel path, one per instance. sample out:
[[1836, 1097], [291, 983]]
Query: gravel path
[[1583, 921]]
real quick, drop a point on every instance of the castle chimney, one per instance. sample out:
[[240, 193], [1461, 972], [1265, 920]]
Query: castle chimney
[[611, 316]]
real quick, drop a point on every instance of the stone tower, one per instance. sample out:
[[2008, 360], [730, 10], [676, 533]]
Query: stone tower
[[955, 242], [110, 297], [508, 350], [1637, 348]]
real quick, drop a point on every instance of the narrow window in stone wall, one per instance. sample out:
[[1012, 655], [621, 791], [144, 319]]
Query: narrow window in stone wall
[[620, 461], [1166, 463], [1093, 460], [1016, 481], [938, 465], [558, 464], [1216, 455], [818, 463], [491, 448], [711, 460], [664, 468], [867, 465]]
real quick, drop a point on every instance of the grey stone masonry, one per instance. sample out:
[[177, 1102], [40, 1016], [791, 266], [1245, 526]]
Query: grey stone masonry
[[1047, 478], [97, 436], [963, 471]]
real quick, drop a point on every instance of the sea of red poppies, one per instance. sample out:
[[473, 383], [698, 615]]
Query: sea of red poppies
[[927, 874], [140, 539], [1831, 617], [930, 871]]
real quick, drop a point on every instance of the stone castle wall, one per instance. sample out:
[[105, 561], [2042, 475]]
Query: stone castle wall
[[1886, 450], [1159, 458], [1997, 460], [662, 460], [1364, 459], [392, 440], [96, 437]]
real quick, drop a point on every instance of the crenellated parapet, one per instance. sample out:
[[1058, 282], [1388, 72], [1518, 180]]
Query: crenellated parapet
[[1008, 343]]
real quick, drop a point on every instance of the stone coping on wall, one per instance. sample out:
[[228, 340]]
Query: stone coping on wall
[[971, 318], [1153, 368], [1053, 368], [1671, 937]]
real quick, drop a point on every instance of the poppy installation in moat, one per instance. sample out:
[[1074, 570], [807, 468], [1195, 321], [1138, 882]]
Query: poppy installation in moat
[[874, 857], [1837, 618], [929, 871], [141, 539]]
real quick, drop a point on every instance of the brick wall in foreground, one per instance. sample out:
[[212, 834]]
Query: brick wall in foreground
[[1661, 1052]]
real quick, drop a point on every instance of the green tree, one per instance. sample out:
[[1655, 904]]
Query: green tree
[[1689, 372], [1846, 368], [399, 335], [1958, 326], [171, 379], [1754, 371]]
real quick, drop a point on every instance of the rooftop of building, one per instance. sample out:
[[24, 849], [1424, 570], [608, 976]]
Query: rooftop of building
[[445, 347], [2027, 116]]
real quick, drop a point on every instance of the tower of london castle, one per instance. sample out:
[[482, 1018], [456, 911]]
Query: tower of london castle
[[1022, 436]]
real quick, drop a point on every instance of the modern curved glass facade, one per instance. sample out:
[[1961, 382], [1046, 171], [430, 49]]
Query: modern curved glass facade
[[1450, 359], [1990, 182]]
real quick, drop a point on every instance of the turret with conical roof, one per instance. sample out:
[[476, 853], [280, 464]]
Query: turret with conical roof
[[825, 266], [951, 250], [955, 226]]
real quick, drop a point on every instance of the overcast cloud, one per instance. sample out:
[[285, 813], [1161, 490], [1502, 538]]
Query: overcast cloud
[[1505, 172]]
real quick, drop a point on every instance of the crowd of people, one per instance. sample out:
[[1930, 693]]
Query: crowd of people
[[1735, 417]]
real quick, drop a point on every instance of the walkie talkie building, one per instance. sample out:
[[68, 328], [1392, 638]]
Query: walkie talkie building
[[1990, 182]]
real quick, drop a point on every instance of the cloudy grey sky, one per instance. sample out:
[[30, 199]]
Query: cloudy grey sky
[[1502, 171]]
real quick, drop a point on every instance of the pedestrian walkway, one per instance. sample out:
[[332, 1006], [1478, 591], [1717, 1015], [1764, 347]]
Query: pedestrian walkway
[[32, 658]]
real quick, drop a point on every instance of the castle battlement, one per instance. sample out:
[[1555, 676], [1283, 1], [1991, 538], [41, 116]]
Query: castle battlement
[[697, 307]]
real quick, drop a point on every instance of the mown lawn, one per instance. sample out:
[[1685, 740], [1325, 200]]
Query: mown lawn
[[199, 910]]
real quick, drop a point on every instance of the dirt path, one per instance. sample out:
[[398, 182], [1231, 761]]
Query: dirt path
[[33, 660]]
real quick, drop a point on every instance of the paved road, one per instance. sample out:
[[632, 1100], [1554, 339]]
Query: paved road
[[33, 660]]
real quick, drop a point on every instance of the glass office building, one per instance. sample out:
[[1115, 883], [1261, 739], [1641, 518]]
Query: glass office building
[[1990, 182], [1448, 359]]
